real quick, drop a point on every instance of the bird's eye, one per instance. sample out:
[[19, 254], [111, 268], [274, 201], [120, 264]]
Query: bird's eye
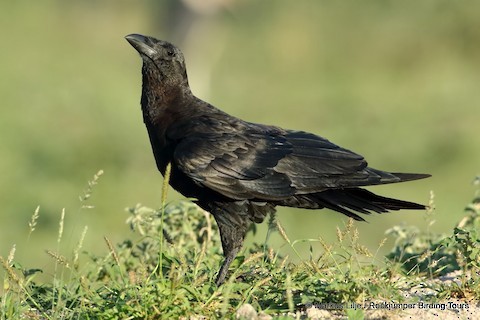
[[170, 53]]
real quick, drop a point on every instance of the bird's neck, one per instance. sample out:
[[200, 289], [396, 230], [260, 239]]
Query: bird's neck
[[161, 98]]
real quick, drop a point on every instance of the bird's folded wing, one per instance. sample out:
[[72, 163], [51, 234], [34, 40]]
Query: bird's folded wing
[[270, 165]]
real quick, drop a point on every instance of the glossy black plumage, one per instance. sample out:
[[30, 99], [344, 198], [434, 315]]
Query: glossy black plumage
[[239, 171]]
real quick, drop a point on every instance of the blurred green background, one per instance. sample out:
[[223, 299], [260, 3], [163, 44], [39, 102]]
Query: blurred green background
[[396, 81]]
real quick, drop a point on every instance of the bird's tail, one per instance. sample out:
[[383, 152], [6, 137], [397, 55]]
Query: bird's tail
[[351, 201]]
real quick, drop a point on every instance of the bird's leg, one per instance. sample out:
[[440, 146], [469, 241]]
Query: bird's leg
[[232, 236], [222, 273]]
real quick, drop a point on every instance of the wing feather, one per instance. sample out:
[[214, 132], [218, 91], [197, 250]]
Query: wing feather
[[248, 161]]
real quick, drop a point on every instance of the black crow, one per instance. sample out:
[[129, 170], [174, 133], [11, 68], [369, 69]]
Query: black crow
[[240, 171]]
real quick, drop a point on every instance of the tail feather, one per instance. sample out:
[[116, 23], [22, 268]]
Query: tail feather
[[351, 201]]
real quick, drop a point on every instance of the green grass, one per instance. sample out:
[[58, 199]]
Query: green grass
[[167, 270], [395, 81]]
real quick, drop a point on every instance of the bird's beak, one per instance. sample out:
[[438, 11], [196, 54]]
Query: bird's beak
[[141, 44]]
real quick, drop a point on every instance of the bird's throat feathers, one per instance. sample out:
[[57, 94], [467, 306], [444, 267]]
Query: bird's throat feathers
[[162, 95]]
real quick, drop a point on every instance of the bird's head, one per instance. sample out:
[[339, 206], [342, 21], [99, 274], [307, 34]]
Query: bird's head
[[162, 61]]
